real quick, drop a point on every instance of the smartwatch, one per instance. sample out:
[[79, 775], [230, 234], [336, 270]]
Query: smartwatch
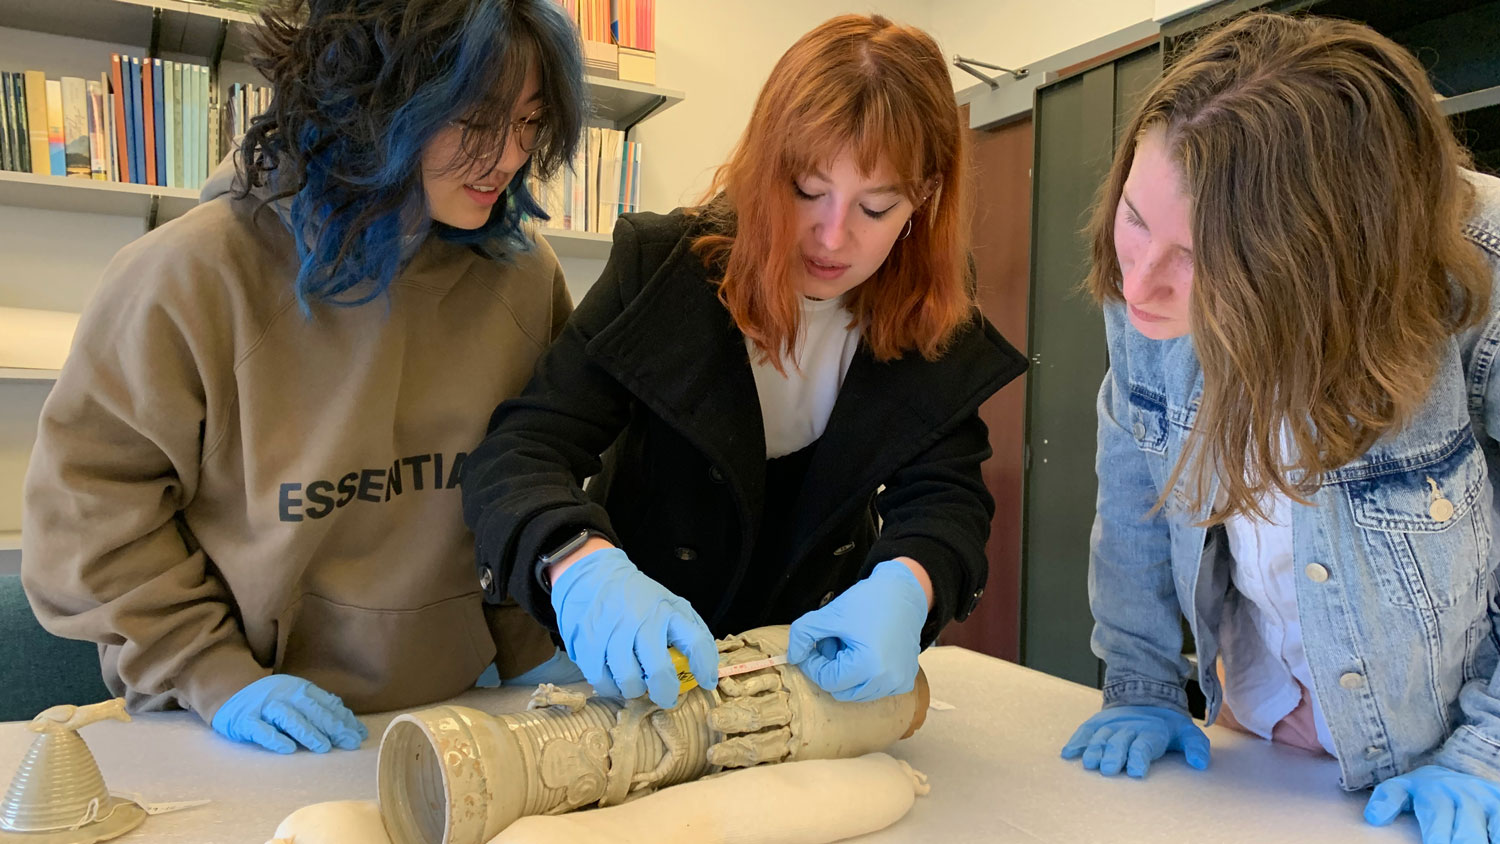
[[571, 544]]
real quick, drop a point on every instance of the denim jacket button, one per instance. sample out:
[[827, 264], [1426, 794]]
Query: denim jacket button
[[1316, 573], [1352, 681], [1139, 430]]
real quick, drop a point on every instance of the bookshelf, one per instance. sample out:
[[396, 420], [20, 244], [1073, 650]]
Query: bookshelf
[[172, 26], [89, 196], [623, 104]]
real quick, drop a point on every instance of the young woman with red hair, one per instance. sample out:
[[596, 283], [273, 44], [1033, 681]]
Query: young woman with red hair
[[775, 395]]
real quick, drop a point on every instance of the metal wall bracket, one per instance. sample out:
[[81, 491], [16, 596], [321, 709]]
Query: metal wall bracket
[[968, 66]]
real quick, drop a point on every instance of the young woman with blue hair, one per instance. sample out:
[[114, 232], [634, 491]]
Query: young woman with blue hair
[[1297, 432], [245, 482]]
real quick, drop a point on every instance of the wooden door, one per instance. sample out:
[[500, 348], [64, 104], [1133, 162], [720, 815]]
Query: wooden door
[[1001, 182]]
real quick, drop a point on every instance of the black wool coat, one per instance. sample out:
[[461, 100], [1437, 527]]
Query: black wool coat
[[652, 370]]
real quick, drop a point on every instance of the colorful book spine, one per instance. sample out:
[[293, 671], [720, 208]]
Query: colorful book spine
[[98, 149], [148, 121], [209, 139], [75, 102], [158, 118], [117, 78], [18, 121], [36, 122], [133, 120], [208, 156], [193, 118], [177, 147], [8, 158], [55, 148], [110, 147], [169, 130]]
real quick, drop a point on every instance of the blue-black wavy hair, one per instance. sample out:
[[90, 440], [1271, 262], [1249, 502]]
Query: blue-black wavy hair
[[360, 88]]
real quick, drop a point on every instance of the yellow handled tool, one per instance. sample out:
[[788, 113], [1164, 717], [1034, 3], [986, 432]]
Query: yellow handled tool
[[686, 681]]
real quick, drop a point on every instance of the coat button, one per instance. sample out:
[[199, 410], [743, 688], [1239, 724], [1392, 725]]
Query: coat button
[[486, 580], [685, 554], [715, 475], [1139, 430], [1352, 681], [843, 549], [1316, 573]]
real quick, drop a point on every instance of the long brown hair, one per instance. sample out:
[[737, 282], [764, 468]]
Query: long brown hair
[[880, 91], [1329, 261]]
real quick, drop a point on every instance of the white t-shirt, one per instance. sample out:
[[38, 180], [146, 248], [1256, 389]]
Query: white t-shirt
[[1262, 642], [795, 406]]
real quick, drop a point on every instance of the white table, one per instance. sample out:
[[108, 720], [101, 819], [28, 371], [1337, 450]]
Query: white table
[[992, 762]]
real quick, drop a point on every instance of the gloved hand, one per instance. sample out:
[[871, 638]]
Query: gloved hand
[[1131, 737], [617, 624], [864, 644], [1450, 806], [274, 710]]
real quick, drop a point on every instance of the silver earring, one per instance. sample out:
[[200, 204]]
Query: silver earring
[[907, 233]]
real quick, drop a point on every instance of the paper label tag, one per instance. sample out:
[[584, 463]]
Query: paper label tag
[[160, 808], [753, 665]]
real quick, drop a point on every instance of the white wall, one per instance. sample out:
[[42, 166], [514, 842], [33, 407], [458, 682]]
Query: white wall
[[719, 53], [1014, 33]]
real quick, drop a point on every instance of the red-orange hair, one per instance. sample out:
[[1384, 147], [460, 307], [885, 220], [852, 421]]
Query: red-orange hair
[[881, 92]]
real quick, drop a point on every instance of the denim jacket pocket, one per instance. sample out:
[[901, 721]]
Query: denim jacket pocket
[[1148, 420], [1422, 521]]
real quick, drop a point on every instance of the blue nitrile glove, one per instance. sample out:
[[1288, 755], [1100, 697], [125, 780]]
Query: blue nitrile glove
[[274, 710], [559, 671], [1451, 808], [864, 644], [1132, 737], [617, 624]]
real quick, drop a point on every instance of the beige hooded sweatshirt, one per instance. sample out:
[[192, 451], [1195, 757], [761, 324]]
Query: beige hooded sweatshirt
[[223, 488]]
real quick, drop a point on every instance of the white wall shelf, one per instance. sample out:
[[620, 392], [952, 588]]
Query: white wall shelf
[[1472, 101], [42, 376], [91, 196], [186, 27], [10, 540], [34, 343], [624, 104], [571, 244]]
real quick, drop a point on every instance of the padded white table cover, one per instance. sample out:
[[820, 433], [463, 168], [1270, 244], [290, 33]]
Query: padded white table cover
[[992, 762]]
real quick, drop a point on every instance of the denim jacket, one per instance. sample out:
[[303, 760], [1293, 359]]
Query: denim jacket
[[1399, 607]]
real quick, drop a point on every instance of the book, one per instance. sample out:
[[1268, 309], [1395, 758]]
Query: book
[[637, 65], [55, 151], [148, 122], [133, 123], [211, 124], [75, 105], [36, 122], [8, 158], [178, 168], [158, 122], [110, 147], [121, 136], [169, 129], [200, 126], [98, 151]]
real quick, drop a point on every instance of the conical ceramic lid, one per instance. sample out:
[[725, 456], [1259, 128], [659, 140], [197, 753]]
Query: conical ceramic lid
[[57, 786]]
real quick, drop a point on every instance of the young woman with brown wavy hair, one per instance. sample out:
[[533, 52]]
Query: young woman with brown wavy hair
[[1296, 433], [787, 379]]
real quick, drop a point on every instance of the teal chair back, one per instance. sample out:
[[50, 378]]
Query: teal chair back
[[38, 669]]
